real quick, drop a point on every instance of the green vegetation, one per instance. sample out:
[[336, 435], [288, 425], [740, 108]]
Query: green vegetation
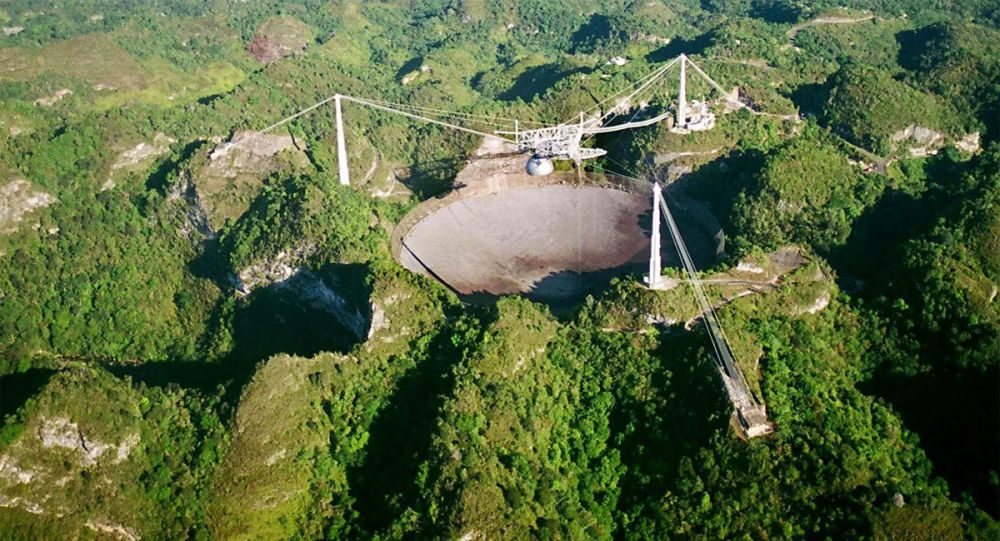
[[297, 211], [806, 192], [218, 345], [873, 110], [107, 451]]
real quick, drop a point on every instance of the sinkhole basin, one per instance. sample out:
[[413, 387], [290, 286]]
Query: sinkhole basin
[[554, 239]]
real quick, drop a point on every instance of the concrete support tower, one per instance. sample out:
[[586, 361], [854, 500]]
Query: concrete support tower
[[653, 279], [345, 178], [682, 101]]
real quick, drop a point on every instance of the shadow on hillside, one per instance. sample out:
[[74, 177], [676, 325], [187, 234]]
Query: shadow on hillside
[[284, 318], [775, 12], [811, 98], [961, 443], [409, 66], [876, 235], [913, 46], [680, 45], [535, 81], [597, 32], [159, 178], [873, 246], [17, 388], [657, 435], [400, 438], [432, 178], [300, 316], [201, 376]]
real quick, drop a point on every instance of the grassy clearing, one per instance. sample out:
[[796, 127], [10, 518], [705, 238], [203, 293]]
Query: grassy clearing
[[105, 75], [347, 50], [167, 85], [93, 58]]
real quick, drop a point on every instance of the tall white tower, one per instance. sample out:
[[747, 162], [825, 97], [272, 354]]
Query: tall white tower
[[653, 279], [682, 101], [345, 178]]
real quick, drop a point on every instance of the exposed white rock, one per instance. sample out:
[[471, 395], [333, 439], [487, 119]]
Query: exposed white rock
[[969, 143], [311, 290], [23, 503], [380, 320], [819, 304], [125, 447], [651, 319], [276, 269], [11, 471], [61, 432], [196, 217], [12, 30], [409, 77], [785, 206], [649, 38], [246, 151], [922, 140], [50, 100], [919, 134], [159, 146], [17, 198], [749, 266], [115, 530], [271, 460]]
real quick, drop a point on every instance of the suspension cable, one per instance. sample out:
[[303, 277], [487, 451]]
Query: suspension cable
[[425, 119], [645, 81], [452, 113]]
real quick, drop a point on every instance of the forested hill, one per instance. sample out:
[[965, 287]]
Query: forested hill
[[209, 344]]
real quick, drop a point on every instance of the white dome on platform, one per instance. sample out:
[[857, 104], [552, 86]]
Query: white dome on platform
[[539, 166]]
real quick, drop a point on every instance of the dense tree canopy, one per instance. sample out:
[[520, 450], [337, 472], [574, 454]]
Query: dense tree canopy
[[196, 344]]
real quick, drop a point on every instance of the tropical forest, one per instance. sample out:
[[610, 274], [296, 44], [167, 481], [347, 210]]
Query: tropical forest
[[499, 269]]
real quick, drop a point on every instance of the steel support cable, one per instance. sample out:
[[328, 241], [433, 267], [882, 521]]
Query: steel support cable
[[707, 78], [648, 122], [435, 110], [627, 125], [644, 80], [455, 116], [452, 113], [425, 119], [693, 276], [659, 73], [724, 359], [445, 117], [371, 104], [707, 307], [717, 334], [591, 134], [283, 121], [652, 75]]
